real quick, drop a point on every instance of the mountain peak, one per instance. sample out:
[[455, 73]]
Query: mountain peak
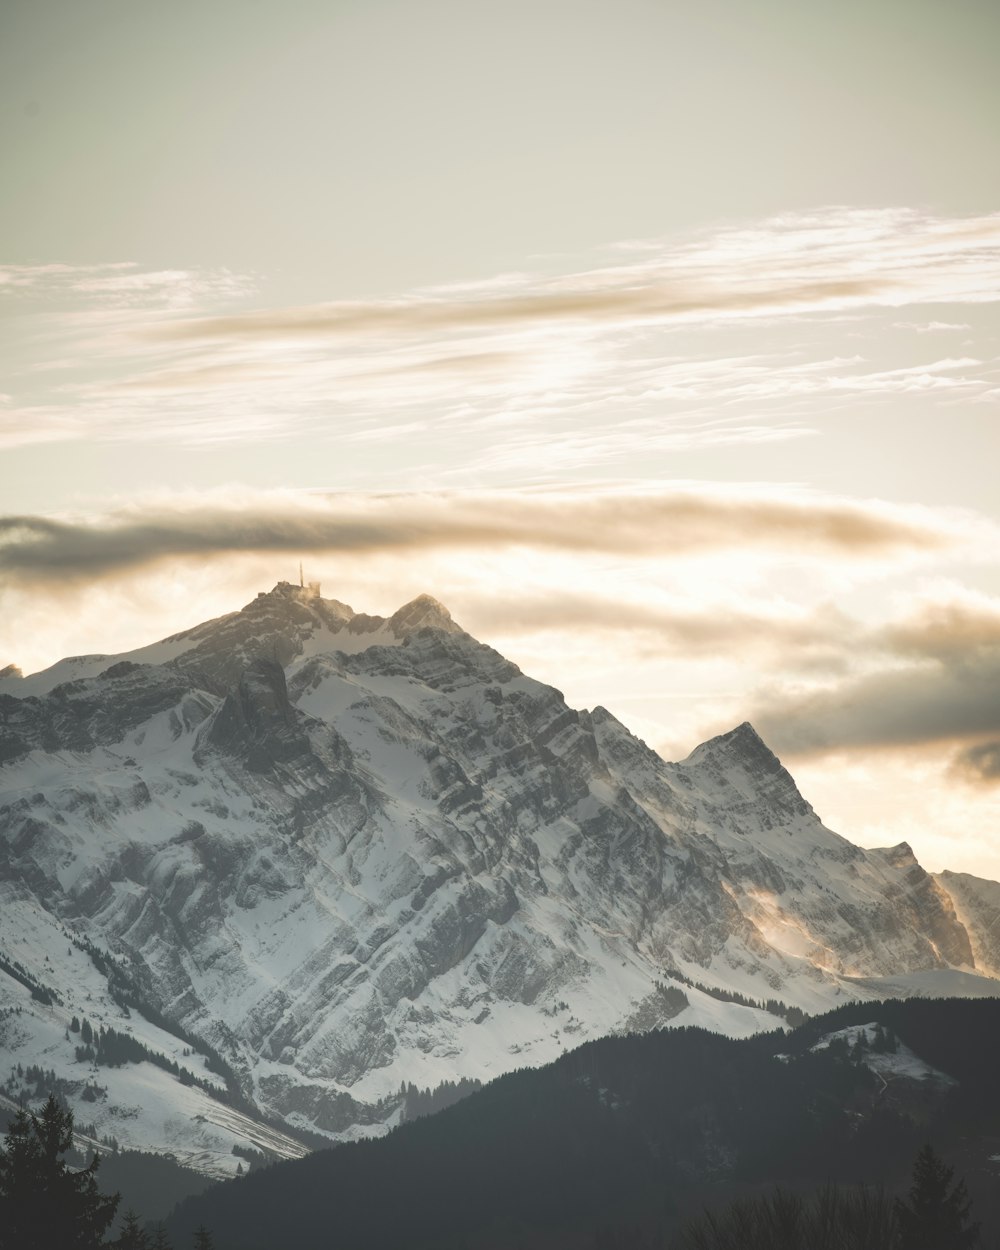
[[741, 758], [300, 602], [292, 592], [899, 856], [424, 612], [745, 735], [742, 745], [300, 591]]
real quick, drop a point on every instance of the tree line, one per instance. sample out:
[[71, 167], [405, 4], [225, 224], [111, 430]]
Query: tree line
[[935, 1215], [47, 1205], [773, 1006], [113, 1049]]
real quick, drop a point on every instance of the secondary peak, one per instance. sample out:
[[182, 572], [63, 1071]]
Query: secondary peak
[[424, 612]]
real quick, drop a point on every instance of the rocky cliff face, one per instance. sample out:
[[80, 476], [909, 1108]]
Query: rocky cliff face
[[347, 852], [977, 905]]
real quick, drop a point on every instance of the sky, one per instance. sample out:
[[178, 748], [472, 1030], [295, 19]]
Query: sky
[[658, 341]]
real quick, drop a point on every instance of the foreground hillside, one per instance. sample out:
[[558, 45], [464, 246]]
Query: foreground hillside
[[618, 1142], [298, 857]]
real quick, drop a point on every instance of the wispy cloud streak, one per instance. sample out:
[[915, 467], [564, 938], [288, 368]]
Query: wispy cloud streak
[[671, 523], [639, 340]]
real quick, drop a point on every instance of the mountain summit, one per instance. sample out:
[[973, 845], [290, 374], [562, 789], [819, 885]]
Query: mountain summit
[[334, 854]]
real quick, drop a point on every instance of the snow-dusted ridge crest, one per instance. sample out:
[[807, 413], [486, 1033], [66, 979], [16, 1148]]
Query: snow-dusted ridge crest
[[348, 852]]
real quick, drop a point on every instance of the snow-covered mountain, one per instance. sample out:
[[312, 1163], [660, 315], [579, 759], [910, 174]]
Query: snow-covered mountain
[[336, 853]]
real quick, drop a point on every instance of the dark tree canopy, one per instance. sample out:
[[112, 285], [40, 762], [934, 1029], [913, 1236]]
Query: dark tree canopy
[[832, 1219], [43, 1203], [937, 1214], [132, 1236]]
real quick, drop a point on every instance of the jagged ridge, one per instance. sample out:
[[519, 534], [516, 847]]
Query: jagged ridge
[[353, 851]]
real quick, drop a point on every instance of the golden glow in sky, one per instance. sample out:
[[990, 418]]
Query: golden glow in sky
[[657, 341]]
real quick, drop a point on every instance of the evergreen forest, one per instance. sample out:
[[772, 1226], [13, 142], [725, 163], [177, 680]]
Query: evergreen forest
[[671, 1140]]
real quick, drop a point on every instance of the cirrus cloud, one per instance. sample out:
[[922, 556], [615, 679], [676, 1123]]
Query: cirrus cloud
[[631, 342]]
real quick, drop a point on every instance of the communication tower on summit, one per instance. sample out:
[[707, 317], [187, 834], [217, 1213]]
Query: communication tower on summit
[[307, 590]]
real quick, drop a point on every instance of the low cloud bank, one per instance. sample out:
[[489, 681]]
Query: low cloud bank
[[36, 549], [937, 682], [978, 764]]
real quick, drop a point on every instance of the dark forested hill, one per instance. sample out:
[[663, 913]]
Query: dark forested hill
[[617, 1142]]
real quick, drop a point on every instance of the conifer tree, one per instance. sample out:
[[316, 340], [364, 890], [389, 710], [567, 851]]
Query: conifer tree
[[159, 1241], [202, 1238], [937, 1214], [43, 1204], [132, 1236]]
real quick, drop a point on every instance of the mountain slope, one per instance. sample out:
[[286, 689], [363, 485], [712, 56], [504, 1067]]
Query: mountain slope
[[342, 852], [977, 906], [618, 1142]]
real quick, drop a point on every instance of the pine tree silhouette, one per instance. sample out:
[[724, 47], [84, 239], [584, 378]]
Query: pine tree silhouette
[[131, 1236], [43, 1204], [159, 1241], [937, 1214]]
